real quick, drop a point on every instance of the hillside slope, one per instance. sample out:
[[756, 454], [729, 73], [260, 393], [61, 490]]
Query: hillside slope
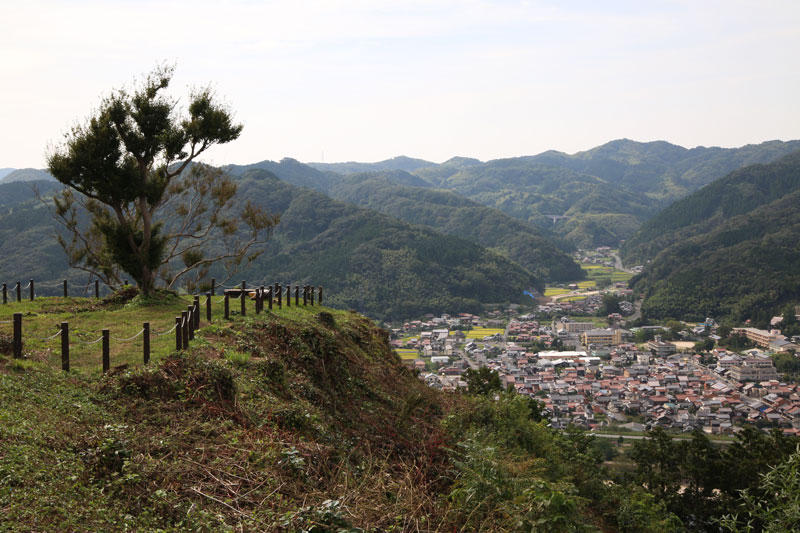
[[452, 214], [408, 197], [737, 193], [734, 251], [605, 193], [370, 262]]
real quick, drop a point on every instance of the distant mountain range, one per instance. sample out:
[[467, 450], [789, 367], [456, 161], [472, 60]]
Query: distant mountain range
[[403, 236], [368, 261], [603, 194], [399, 194], [731, 249], [8, 175]]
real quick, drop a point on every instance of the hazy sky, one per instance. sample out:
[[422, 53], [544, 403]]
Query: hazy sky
[[367, 80]]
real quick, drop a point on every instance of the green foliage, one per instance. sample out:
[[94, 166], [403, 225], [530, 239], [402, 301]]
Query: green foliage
[[736, 261], [777, 508], [129, 168], [482, 381], [699, 482]]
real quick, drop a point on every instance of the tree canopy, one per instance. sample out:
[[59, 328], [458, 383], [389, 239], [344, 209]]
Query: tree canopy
[[152, 206]]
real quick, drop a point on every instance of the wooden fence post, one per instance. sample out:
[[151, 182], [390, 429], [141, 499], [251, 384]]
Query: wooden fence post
[[5, 294], [242, 306], [244, 284], [106, 351], [227, 307], [311, 291], [19, 291], [184, 329], [320, 295], [269, 298], [17, 335], [31, 286], [65, 346], [190, 318], [213, 286], [196, 314], [97, 289], [178, 334], [146, 343], [66, 292], [279, 292], [305, 295], [208, 307], [259, 299], [288, 295], [297, 295]]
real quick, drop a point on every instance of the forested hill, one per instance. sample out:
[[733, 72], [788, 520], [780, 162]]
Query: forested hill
[[736, 254], [368, 261], [408, 164], [739, 192], [398, 193], [373, 263], [606, 193], [452, 214]]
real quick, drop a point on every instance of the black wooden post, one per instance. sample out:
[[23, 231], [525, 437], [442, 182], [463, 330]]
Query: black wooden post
[[190, 318], [227, 307], [305, 295], [288, 296], [146, 342], [297, 295], [208, 306], [5, 294], [17, 335], [213, 286], [196, 312], [279, 292], [320, 295], [66, 293], [31, 286], [97, 289], [311, 291], [19, 291], [65, 346], [106, 351], [259, 299], [244, 284], [178, 334], [242, 306], [184, 329], [269, 298]]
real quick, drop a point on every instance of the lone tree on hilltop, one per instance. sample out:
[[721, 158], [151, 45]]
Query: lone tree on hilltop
[[154, 211]]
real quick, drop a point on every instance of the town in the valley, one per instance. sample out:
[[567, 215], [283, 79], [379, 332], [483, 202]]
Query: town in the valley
[[591, 370]]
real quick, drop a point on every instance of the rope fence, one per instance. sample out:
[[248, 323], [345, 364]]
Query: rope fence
[[264, 297]]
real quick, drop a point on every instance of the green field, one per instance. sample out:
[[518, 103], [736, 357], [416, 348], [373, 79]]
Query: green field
[[479, 333], [554, 291], [595, 272], [87, 317], [406, 353]]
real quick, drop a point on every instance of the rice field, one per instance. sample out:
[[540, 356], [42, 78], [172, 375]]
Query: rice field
[[406, 353], [479, 333], [554, 291]]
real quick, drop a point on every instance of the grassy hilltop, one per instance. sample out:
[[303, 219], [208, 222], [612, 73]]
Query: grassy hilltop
[[303, 419]]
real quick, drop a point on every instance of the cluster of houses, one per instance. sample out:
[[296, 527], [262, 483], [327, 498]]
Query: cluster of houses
[[608, 381]]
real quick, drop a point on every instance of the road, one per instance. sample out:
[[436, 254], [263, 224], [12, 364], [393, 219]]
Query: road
[[618, 264], [640, 437]]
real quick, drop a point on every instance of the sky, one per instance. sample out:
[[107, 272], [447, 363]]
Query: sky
[[366, 80]]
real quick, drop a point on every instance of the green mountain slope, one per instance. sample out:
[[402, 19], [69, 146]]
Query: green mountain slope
[[453, 214], [408, 197], [605, 192], [735, 194], [734, 252], [366, 260], [375, 263]]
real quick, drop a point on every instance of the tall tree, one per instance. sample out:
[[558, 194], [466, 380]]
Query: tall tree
[[155, 212]]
